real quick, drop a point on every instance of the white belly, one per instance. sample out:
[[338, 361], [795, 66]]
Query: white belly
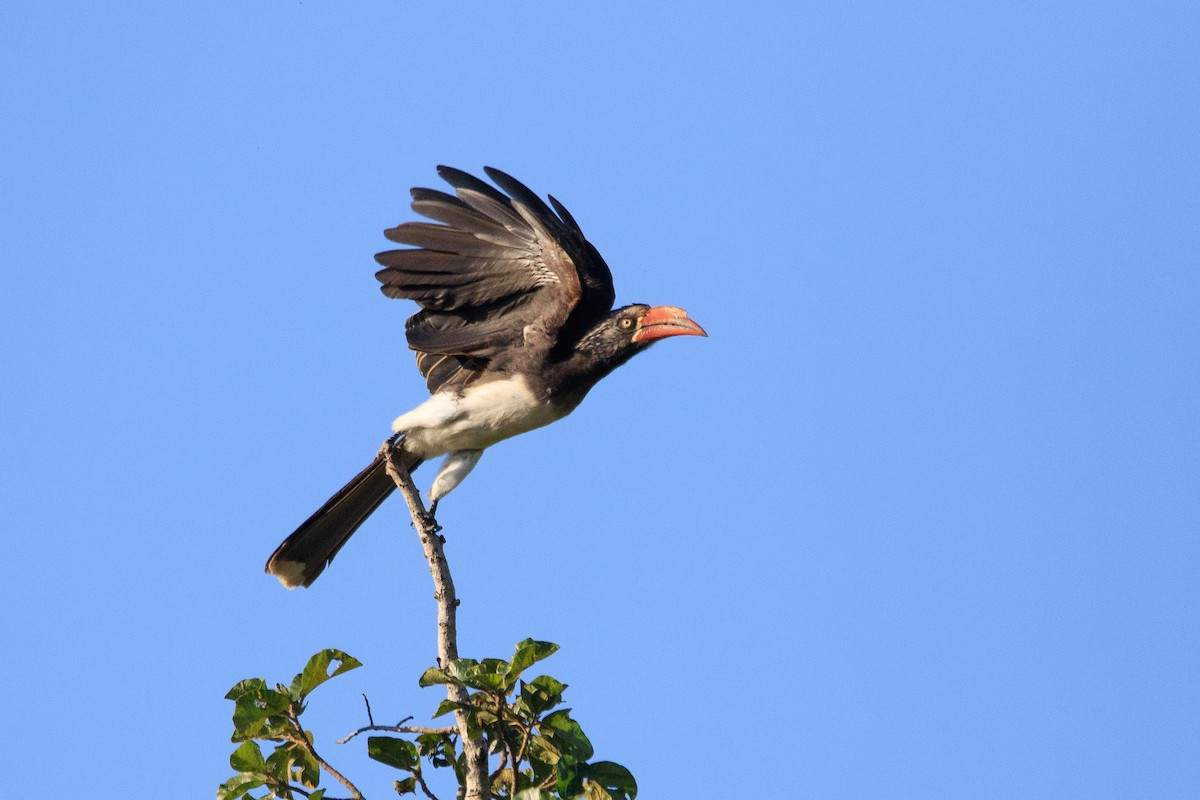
[[483, 415]]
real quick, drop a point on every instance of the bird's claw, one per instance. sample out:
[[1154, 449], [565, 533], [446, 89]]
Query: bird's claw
[[429, 519], [385, 449], [430, 522]]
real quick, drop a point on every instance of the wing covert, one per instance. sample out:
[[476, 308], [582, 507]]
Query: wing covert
[[492, 271]]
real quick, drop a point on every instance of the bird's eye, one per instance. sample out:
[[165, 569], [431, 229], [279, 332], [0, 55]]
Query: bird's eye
[[626, 323]]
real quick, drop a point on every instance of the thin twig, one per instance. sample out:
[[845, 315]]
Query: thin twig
[[499, 773], [302, 739], [399, 727], [424, 788], [526, 732], [474, 749], [276, 788], [449, 730], [501, 707]]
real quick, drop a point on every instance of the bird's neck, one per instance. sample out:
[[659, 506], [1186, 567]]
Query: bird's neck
[[585, 366]]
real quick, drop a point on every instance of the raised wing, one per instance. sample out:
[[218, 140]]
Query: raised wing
[[493, 272]]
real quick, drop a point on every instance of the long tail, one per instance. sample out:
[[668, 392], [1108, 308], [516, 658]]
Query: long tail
[[306, 553]]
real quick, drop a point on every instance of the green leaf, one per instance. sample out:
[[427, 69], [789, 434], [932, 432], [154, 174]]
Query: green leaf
[[429, 743], [459, 668], [406, 786], [248, 758], [569, 780], [528, 653], [434, 677], [316, 671], [459, 764], [291, 762], [490, 674], [540, 695], [398, 753], [487, 674], [594, 791], [548, 685], [448, 705], [437, 747], [276, 729], [501, 782], [566, 734], [238, 786], [617, 781], [534, 794], [543, 757], [285, 762], [319, 794], [242, 687], [483, 719], [254, 707], [310, 770], [488, 682]]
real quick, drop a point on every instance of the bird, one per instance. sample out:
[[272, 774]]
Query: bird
[[516, 325]]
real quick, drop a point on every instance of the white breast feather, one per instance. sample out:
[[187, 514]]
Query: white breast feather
[[478, 418]]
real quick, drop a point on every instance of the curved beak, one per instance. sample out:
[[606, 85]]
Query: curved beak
[[663, 321]]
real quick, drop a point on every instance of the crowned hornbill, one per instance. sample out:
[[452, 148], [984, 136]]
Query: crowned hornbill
[[516, 326]]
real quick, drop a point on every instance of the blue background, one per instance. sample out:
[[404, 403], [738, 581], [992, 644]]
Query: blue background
[[918, 520]]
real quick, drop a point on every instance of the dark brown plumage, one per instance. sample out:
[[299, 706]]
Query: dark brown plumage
[[515, 328]]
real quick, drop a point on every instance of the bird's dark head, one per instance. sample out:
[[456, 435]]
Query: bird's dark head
[[645, 324], [624, 332]]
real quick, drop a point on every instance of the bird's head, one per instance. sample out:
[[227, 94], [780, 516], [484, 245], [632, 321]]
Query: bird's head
[[646, 324], [626, 331]]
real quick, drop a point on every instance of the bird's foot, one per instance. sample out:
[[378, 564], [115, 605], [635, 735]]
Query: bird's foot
[[385, 449], [429, 519], [431, 525]]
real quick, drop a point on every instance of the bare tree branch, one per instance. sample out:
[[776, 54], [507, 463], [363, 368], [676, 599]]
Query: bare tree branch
[[424, 787], [399, 727], [474, 749], [367, 703], [277, 788], [449, 730], [301, 738]]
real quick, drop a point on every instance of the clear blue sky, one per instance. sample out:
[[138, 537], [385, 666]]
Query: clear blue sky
[[919, 520]]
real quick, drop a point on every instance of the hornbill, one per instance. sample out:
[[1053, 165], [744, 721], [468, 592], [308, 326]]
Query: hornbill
[[516, 326]]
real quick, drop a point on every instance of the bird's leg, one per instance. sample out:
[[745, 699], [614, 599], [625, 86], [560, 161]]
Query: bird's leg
[[456, 466], [385, 452], [430, 519]]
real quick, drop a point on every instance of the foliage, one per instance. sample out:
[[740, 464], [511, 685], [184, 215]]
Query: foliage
[[542, 752], [273, 715]]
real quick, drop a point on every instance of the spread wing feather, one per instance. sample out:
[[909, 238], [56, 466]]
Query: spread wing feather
[[481, 331], [448, 209], [566, 216], [455, 240], [493, 273]]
